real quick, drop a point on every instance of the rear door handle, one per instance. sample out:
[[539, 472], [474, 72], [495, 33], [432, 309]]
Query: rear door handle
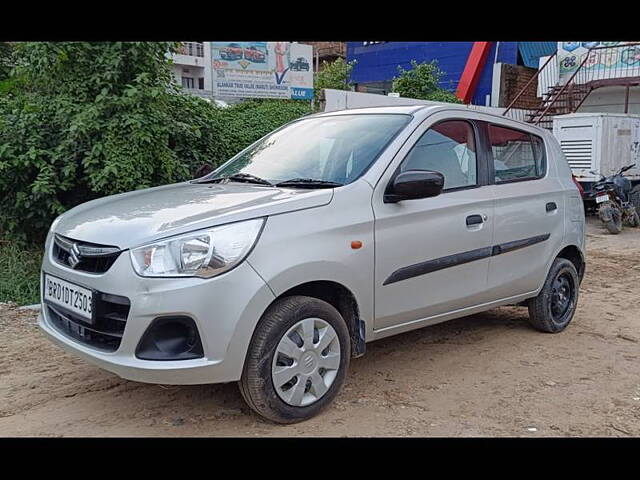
[[551, 206], [474, 220]]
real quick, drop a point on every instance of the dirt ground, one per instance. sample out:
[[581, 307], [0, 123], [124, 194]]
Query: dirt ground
[[484, 375]]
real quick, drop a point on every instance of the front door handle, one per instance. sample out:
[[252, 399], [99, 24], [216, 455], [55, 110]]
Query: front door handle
[[474, 220], [551, 206]]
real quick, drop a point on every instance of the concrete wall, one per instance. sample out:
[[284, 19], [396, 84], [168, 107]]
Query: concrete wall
[[549, 76], [611, 100], [199, 67], [193, 72]]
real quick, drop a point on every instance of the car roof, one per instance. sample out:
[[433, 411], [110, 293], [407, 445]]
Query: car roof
[[427, 109], [402, 109]]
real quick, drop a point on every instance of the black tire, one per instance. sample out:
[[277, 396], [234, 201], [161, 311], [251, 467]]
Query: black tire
[[634, 220], [615, 224], [256, 384], [544, 315], [634, 197]]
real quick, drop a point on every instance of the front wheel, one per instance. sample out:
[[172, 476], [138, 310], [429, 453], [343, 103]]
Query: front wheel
[[553, 308], [612, 218], [297, 360]]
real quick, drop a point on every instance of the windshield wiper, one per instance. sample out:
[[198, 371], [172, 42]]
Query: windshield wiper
[[308, 183], [247, 177], [239, 177]]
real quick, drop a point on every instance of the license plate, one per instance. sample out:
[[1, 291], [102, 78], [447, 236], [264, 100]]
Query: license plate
[[74, 298], [602, 198]]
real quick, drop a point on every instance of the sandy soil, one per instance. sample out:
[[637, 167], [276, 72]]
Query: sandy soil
[[484, 375]]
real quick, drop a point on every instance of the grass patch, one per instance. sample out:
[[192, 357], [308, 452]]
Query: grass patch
[[20, 273]]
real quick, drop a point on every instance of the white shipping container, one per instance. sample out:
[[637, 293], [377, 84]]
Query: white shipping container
[[604, 142]]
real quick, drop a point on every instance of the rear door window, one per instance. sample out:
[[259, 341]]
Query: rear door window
[[517, 155]]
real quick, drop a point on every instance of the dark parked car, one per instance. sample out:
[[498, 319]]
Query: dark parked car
[[253, 54], [231, 52], [299, 65]]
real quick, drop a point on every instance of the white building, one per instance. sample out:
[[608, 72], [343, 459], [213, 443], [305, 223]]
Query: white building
[[192, 68]]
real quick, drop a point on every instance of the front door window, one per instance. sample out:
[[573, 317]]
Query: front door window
[[449, 148]]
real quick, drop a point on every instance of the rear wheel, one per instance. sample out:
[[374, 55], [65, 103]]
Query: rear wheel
[[634, 197], [552, 310]]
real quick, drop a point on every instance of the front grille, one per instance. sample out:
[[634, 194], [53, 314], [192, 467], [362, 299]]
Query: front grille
[[105, 333], [84, 256]]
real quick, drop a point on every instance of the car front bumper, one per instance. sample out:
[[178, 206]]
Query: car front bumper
[[225, 310]]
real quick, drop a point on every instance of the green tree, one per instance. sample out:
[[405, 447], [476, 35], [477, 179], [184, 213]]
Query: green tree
[[6, 61], [87, 119], [333, 75], [83, 120], [422, 81]]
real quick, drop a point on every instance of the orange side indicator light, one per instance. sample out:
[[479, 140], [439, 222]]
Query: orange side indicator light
[[356, 244]]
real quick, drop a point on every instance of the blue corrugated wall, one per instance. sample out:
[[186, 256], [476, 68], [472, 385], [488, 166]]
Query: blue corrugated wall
[[532, 51], [379, 62]]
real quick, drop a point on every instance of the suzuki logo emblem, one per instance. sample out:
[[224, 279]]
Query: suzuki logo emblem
[[308, 362], [74, 256]]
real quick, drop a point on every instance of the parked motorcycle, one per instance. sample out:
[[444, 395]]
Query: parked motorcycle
[[611, 196]]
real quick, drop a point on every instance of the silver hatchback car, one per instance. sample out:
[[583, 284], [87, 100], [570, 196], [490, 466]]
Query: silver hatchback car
[[333, 231]]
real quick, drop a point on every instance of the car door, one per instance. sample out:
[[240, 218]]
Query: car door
[[431, 254], [529, 210]]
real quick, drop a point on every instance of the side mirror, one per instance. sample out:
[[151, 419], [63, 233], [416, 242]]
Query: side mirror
[[414, 184]]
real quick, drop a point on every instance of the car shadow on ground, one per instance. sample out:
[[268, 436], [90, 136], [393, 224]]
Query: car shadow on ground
[[470, 328], [175, 405]]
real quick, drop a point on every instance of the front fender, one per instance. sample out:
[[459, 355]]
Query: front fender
[[317, 245], [356, 282]]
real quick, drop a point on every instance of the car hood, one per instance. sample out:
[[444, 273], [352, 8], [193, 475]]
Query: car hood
[[133, 218]]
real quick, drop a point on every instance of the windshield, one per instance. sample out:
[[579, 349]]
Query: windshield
[[331, 149]]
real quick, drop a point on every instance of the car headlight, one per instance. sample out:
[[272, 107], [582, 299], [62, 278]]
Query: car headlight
[[204, 253]]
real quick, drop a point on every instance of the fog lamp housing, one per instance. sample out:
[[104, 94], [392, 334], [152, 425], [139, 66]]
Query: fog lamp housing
[[170, 338]]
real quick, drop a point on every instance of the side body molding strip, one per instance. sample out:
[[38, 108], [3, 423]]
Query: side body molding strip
[[436, 264], [518, 244], [441, 263]]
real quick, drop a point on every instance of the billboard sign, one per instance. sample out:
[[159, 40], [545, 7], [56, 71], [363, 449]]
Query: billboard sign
[[610, 60], [262, 70]]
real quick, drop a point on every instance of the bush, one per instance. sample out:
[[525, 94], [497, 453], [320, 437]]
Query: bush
[[19, 274], [212, 135], [6, 61], [84, 120]]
